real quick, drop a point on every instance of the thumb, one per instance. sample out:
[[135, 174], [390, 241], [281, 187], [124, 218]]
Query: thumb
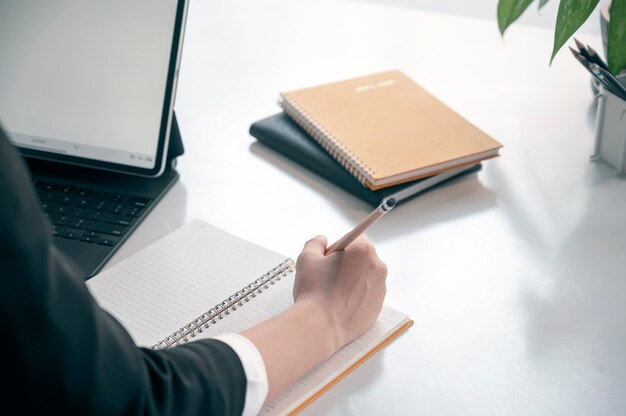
[[317, 244]]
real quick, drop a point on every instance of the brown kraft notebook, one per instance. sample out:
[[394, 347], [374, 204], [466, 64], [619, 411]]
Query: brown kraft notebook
[[385, 129]]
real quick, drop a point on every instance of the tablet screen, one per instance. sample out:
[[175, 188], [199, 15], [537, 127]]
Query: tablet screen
[[89, 81]]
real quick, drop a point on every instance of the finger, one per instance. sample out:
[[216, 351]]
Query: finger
[[317, 244], [363, 244], [363, 237], [363, 241]]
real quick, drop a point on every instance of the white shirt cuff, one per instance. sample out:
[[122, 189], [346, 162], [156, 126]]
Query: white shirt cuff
[[254, 367]]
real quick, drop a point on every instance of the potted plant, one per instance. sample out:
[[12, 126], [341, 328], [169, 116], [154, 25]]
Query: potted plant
[[571, 15]]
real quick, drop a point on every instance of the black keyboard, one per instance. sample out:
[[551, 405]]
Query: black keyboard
[[89, 215]]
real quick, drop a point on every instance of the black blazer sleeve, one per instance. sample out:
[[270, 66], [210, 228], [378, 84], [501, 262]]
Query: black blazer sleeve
[[62, 354]]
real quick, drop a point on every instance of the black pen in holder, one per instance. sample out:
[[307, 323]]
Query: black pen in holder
[[610, 141]]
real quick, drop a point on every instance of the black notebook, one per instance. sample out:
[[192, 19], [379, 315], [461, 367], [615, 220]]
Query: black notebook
[[281, 134]]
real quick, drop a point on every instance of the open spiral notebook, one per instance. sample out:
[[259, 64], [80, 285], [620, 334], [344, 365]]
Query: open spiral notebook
[[200, 281]]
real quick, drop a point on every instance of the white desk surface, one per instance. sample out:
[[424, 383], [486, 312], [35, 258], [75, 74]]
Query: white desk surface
[[514, 276]]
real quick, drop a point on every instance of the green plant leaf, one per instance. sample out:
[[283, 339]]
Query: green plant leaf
[[542, 3], [572, 14], [616, 43], [509, 11]]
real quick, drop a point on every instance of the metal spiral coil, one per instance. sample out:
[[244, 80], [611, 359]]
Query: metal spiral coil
[[229, 304], [334, 147]]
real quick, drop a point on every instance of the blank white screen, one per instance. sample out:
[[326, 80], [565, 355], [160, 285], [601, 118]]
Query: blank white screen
[[86, 75]]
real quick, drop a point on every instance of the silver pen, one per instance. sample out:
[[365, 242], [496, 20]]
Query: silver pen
[[389, 203]]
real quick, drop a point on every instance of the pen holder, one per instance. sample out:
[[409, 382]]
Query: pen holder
[[610, 145]]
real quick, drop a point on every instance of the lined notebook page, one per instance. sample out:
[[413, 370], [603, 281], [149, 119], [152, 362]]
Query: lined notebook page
[[175, 280]]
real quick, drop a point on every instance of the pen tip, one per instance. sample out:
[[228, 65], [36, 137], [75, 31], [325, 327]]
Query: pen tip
[[578, 56], [579, 44], [591, 50]]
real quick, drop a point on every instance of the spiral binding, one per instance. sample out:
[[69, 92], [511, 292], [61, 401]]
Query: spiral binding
[[334, 147], [229, 304]]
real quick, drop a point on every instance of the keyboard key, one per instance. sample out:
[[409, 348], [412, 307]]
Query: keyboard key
[[117, 198], [71, 233], [83, 192], [79, 212], [100, 195], [113, 207], [118, 219], [95, 215], [92, 234], [67, 189], [48, 206], [131, 211], [90, 238], [138, 201], [118, 208], [104, 228], [48, 196], [61, 209], [77, 222], [99, 205], [49, 186], [107, 241], [84, 202], [66, 199], [60, 219]]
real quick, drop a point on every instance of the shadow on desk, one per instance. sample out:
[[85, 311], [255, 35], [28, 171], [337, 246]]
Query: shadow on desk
[[321, 186], [592, 111], [165, 217], [459, 197], [578, 324]]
